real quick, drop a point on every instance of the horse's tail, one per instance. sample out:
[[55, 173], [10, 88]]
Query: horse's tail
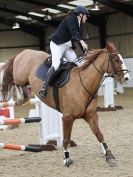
[[8, 81]]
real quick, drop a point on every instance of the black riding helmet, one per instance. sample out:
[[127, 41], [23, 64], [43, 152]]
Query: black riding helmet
[[82, 10]]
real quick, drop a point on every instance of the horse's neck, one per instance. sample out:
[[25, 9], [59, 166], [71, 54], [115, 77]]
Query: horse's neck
[[93, 74]]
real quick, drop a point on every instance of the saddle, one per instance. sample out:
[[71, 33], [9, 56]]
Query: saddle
[[60, 77]]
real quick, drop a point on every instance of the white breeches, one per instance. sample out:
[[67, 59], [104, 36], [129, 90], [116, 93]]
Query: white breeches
[[59, 51]]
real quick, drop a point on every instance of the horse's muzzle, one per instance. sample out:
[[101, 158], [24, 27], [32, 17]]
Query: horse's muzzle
[[126, 76], [126, 79]]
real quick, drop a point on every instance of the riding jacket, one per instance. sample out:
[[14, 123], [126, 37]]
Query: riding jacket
[[68, 30]]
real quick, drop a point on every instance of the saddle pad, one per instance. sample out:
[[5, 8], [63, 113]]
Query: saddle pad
[[42, 70], [60, 77]]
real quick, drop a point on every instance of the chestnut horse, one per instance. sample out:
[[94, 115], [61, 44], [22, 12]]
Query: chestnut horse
[[78, 97]]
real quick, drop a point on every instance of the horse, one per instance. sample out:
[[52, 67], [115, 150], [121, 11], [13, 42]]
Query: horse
[[78, 97]]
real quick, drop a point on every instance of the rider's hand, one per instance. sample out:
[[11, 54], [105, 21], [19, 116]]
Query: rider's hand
[[84, 45]]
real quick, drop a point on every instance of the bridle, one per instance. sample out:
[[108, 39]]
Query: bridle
[[112, 75], [115, 70]]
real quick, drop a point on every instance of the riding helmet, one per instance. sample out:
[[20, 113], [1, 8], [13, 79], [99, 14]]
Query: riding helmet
[[81, 9]]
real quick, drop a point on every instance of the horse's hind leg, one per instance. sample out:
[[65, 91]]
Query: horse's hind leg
[[22, 95], [67, 128], [25, 94], [92, 119], [19, 95]]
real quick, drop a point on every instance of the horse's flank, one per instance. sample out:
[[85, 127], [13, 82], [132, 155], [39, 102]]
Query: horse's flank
[[28, 61]]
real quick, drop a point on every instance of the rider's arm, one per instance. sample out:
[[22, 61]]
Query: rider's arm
[[73, 28]]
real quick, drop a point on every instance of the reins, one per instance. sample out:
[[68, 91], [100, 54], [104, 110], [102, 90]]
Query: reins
[[93, 95]]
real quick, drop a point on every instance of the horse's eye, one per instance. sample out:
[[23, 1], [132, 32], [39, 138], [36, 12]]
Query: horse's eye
[[117, 61]]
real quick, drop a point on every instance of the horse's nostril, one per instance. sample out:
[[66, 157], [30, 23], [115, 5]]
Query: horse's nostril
[[126, 79]]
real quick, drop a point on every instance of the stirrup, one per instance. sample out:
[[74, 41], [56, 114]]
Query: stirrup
[[43, 93]]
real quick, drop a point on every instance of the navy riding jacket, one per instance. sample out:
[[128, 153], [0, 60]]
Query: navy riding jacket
[[67, 30]]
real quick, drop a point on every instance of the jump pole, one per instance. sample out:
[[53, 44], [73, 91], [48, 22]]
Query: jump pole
[[18, 121], [20, 147], [45, 139], [30, 147]]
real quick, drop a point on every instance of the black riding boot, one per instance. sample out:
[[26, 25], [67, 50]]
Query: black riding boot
[[44, 90]]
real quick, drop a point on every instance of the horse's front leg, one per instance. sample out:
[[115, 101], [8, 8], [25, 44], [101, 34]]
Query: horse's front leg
[[92, 119], [67, 128]]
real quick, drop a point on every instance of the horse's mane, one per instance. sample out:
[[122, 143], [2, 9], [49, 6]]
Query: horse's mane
[[90, 57]]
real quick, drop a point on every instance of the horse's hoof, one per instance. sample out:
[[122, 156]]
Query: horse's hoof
[[70, 162], [111, 160]]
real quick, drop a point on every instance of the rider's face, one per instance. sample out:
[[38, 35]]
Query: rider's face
[[85, 17]]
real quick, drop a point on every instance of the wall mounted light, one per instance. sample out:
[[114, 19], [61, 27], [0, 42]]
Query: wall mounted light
[[16, 25], [96, 7]]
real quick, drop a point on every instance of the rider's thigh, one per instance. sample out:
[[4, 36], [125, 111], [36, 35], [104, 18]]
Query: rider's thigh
[[70, 55], [57, 53]]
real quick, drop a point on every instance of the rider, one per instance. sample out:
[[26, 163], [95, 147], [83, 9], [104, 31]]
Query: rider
[[69, 30]]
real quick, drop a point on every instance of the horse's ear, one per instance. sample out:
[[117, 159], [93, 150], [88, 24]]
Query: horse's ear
[[108, 46]]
